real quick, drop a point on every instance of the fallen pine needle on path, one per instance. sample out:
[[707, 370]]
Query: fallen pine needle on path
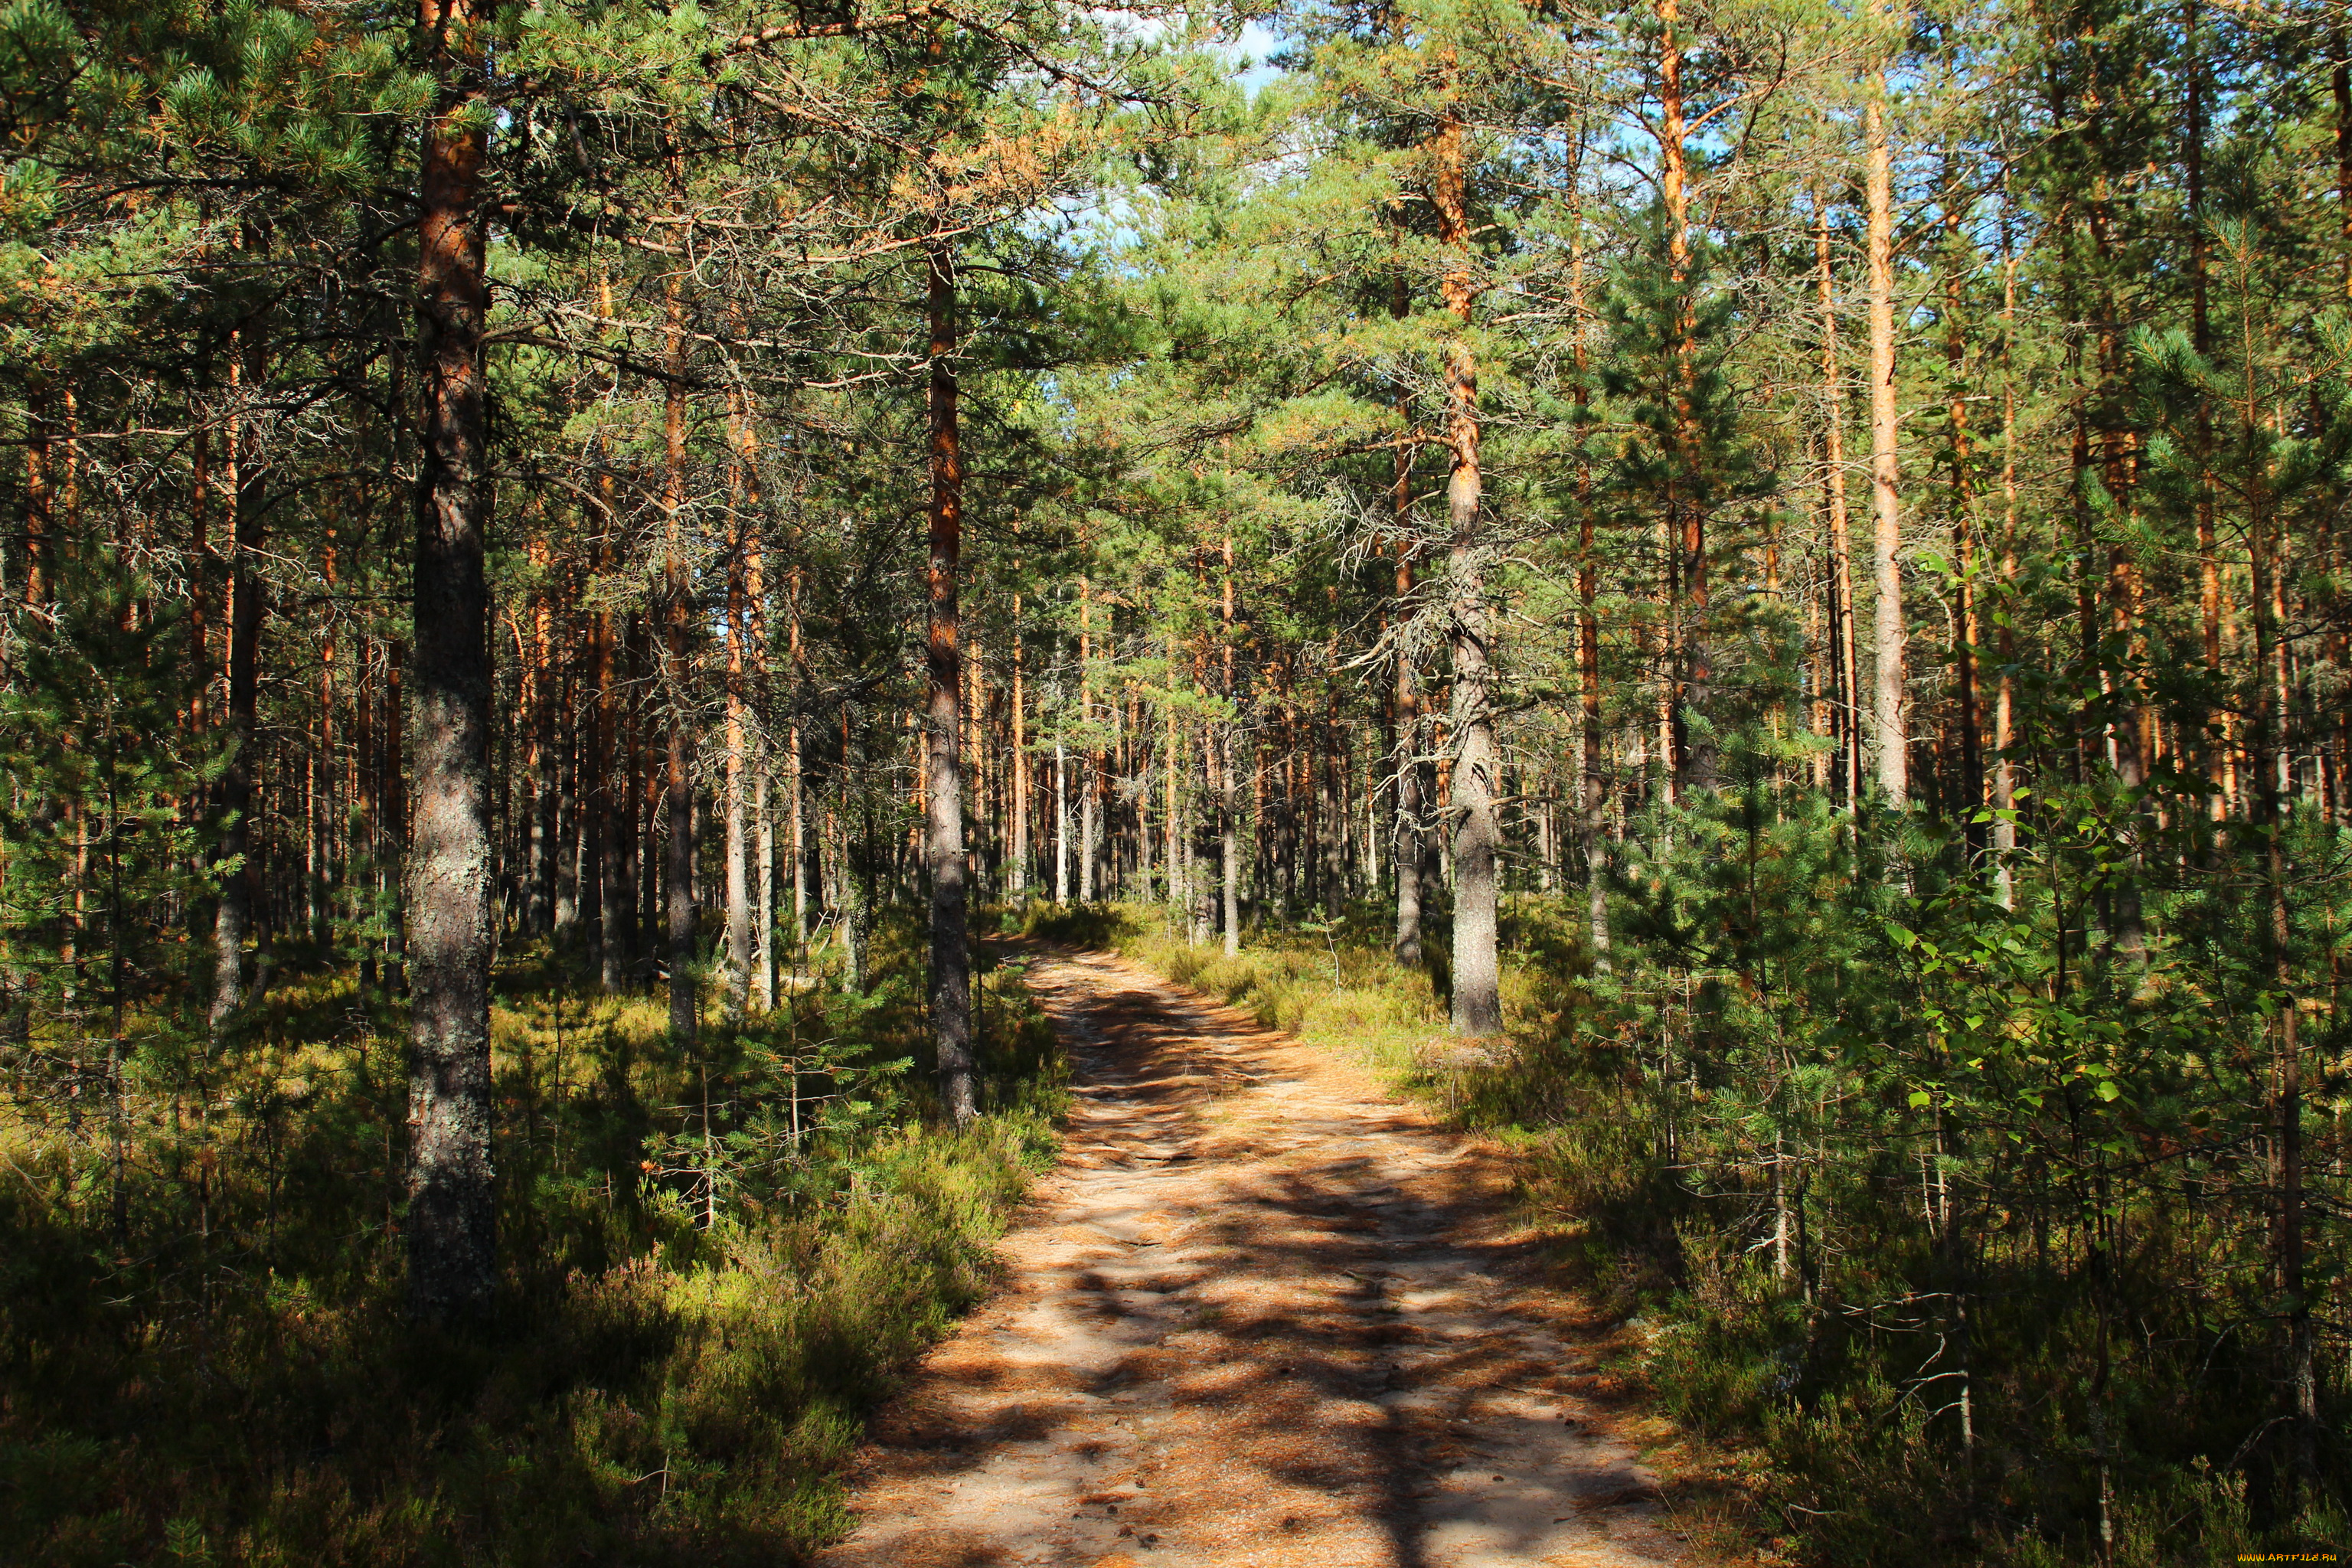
[[1263, 1315]]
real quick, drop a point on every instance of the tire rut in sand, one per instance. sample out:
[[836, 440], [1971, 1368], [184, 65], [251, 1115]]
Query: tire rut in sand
[[1260, 1314]]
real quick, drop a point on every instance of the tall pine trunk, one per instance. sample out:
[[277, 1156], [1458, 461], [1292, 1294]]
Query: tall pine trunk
[[2004, 774], [1090, 760], [1477, 973], [1886, 522], [678, 611], [763, 754], [739, 954], [746, 957], [950, 956], [1017, 808], [452, 1241], [1691, 746], [605, 868]]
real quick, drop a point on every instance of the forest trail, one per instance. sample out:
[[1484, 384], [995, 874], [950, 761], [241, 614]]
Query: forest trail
[[1261, 1314]]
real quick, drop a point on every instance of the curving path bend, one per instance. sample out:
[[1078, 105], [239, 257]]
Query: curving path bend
[[1261, 1316]]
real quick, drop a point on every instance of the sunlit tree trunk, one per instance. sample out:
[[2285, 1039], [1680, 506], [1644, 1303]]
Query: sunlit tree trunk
[[1477, 975], [1886, 523], [451, 1223], [1090, 776], [1691, 748], [951, 985], [741, 955], [1019, 808]]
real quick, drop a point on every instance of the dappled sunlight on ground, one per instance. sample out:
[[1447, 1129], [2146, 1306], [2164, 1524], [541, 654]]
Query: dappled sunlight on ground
[[1261, 1314]]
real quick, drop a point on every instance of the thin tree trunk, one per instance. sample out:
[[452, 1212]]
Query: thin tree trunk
[[2005, 779], [1842, 599], [1832, 478], [1061, 823], [1018, 810], [1230, 805], [1205, 835], [1089, 803], [603, 873], [2201, 337], [2266, 560], [320, 814], [396, 814], [1691, 749], [540, 766], [794, 769], [1593, 810], [233, 915], [950, 958], [1886, 538], [677, 616], [741, 955], [452, 1218], [1964, 534], [40, 493], [1178, 859], [1406, 692], [763, 752]]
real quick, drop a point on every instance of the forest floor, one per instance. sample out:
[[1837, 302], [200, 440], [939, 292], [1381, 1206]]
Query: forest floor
[[1262, 1313]]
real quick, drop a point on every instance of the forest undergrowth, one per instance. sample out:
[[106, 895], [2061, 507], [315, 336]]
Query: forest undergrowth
[[712, 1267], [1921, 1321]]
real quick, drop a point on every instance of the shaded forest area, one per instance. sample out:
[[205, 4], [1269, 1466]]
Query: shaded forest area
[[1752, 593]]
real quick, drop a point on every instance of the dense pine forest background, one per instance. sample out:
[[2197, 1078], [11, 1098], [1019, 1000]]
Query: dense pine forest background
[[1753, 591]]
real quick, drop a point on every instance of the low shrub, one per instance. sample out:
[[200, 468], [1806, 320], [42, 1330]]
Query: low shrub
[[713, 1267]]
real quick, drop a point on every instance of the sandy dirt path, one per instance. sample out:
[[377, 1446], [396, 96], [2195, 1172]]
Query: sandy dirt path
[[1261, 1314]]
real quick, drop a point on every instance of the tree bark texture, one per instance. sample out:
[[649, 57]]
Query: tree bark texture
[[452, 1242], [740, 950], [677, 863], [1477, 973], [1886, 518], [950, 953]]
